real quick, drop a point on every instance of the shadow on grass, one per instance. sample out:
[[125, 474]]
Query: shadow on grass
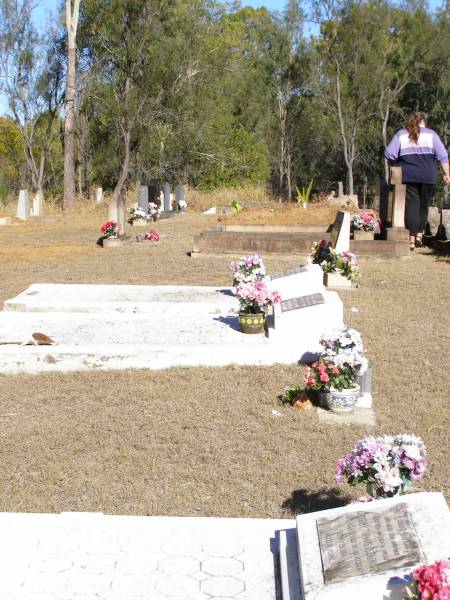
[[303, 501]]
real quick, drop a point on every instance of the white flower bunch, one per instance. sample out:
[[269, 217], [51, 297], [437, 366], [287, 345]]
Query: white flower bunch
[[344, 346], [136, 212]]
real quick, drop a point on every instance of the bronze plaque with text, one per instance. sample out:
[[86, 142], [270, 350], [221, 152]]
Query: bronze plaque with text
[[367, 542]]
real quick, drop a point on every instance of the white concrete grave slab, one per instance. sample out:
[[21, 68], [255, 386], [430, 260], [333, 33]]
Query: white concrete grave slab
[[5, 221], [134, 327], [379, 544], [157, 299], [90, 555]]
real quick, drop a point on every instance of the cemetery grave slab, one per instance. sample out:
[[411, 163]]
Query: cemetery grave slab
[[114, 557], [365, 550], [286, 243], [153, 327], [178, 299]]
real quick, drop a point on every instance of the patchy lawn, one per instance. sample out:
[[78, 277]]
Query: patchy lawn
[[203, 441]]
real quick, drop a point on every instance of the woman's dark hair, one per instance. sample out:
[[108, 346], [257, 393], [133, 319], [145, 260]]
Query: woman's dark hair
[[413, 125]]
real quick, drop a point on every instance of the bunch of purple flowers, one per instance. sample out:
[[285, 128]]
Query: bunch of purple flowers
[[387, 465], [248, 269]]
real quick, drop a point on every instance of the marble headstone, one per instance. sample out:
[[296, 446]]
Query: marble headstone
[[179, 197], [167, 199], [340, 232], [143, 198], [23, 206]]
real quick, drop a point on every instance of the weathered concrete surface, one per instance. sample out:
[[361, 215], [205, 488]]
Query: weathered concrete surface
[[165, 299], [241, 228], [90, 555], [287, 243]]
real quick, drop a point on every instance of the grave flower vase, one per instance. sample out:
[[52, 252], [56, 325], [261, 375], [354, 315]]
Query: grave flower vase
[[359, 234], [343, 401], [252, 323]]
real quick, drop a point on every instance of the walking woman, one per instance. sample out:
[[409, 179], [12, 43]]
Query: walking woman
[[416, 149]]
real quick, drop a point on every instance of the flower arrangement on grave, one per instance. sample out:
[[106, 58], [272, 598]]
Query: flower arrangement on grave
[[431, 582], [152, 236], [136, 212], [331, 261], [386, 465], [344, 346], [154, 210], [336, 371], [254, 298], [110, 229], [248, 269], [365, 221]]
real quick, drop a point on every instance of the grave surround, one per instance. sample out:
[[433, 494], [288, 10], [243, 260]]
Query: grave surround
[[90, 555], [155, 327]]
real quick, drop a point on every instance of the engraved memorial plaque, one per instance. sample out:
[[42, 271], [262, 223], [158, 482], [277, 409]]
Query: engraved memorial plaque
[[301, 302], [367, 542]]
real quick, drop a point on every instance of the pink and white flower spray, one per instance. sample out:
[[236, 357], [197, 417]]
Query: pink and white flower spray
[[387, 465]]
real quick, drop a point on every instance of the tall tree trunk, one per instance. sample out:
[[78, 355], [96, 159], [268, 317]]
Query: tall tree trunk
[[69, 174]]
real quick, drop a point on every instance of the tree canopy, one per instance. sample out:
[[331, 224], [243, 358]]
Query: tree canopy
[[200, 92]]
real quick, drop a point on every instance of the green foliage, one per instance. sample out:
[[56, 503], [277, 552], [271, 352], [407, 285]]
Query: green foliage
[[304, 194], [221, 95], [241, 159], [290, 393]]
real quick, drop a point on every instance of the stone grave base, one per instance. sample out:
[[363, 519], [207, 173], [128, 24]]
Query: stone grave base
[[336, 281], [112, 243], [91, 555], [5, 221], [214, 241], [359, 416]]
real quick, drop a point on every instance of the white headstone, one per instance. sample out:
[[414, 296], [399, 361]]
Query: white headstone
[[116, 213], [306, 280], [99, 195], [23, 207], [306, 309], [343, 235]]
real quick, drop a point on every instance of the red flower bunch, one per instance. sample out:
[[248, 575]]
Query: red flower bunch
[[319, 374], [152, 236], [432, 582], [110, 229]]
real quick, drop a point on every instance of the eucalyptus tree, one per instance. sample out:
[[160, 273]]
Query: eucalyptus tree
[[121, 39], [72, 14], [31, 75]]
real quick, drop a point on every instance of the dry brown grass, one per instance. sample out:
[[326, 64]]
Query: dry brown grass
[[291, 214], [199, 201], [203, 441]]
